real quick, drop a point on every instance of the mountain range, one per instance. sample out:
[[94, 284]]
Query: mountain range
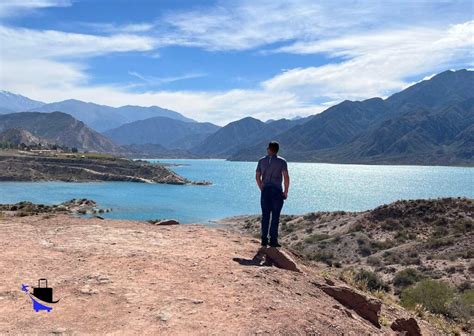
[[430, 122], [241, 134], [98, 117], [11, 102], [56, 128], [171, 133]]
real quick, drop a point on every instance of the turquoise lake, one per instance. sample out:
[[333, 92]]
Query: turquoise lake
[[314, 187]]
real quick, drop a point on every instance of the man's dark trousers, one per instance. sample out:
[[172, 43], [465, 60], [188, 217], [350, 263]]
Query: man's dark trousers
[[271, 201]]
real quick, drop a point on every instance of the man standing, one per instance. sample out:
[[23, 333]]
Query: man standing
[[271, 171]]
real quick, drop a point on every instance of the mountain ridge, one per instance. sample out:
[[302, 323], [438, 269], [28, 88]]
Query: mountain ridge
[[331, 135], [103, 117], [429, 122], [11, 102], [164, 131], [59, 128]]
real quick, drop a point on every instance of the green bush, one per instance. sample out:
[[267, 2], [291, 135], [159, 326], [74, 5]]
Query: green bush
[[392, 257], [434, 243], [391, 225], [316, 238], [323, 256], [357, 228], [407, 277], [464, 286], [410, 260], [364, 246], [434, 296], [374, 261], [464, 225], [372, 280], [440, 231], [462, 307]]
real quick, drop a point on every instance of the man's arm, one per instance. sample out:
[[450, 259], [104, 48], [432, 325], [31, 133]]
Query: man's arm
[[258, 178], [286, 182]]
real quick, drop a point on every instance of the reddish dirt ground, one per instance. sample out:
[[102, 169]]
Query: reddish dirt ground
[[123, 277]]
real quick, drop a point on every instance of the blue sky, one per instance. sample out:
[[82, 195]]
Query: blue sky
[[223, 60]]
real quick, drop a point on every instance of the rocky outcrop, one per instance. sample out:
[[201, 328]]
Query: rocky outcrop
[[406, 326], [17, 136], [75, 206], [279, 258], [365, 307]]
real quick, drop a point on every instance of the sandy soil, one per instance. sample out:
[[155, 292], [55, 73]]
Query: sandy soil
[[124, 277]]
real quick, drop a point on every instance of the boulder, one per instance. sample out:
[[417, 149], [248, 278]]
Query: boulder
[[406, 326], [280, 258], [365, 307]]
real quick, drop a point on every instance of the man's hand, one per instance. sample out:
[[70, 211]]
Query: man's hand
[[258, 178], [286, 180]]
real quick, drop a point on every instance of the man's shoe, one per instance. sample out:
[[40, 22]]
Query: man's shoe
[[274, 244], [264, 243]]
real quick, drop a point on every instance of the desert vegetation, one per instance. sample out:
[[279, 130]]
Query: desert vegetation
[[417, 253]]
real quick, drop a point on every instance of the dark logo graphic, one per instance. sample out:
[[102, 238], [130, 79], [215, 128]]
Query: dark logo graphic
[[41, 296]]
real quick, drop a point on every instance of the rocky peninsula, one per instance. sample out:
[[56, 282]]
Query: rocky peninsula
[[18, 165]]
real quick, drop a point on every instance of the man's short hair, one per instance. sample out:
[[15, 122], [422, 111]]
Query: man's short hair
[[274, 146]]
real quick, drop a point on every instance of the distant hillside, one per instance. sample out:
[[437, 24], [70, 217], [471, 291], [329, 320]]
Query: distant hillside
[[444, 89], [442, 136], [17, 136], [155, 151], [103, 117], [427, 235], [11, 102], [98, 117], [164, 131], [241, 134], [427, 123], [60, 128], [133, 113]]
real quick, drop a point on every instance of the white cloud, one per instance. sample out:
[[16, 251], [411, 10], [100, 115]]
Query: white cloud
[[109, 27], [28, 43], [365, 60], [250, 24], [17, 7], [163, 80], [376, 64]]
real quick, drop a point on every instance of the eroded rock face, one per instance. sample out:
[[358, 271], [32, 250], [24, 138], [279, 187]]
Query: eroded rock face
[[406, 326], [367, 308], [280, 258]]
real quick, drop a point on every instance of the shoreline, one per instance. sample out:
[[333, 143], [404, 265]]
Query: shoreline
[[362, 163]]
